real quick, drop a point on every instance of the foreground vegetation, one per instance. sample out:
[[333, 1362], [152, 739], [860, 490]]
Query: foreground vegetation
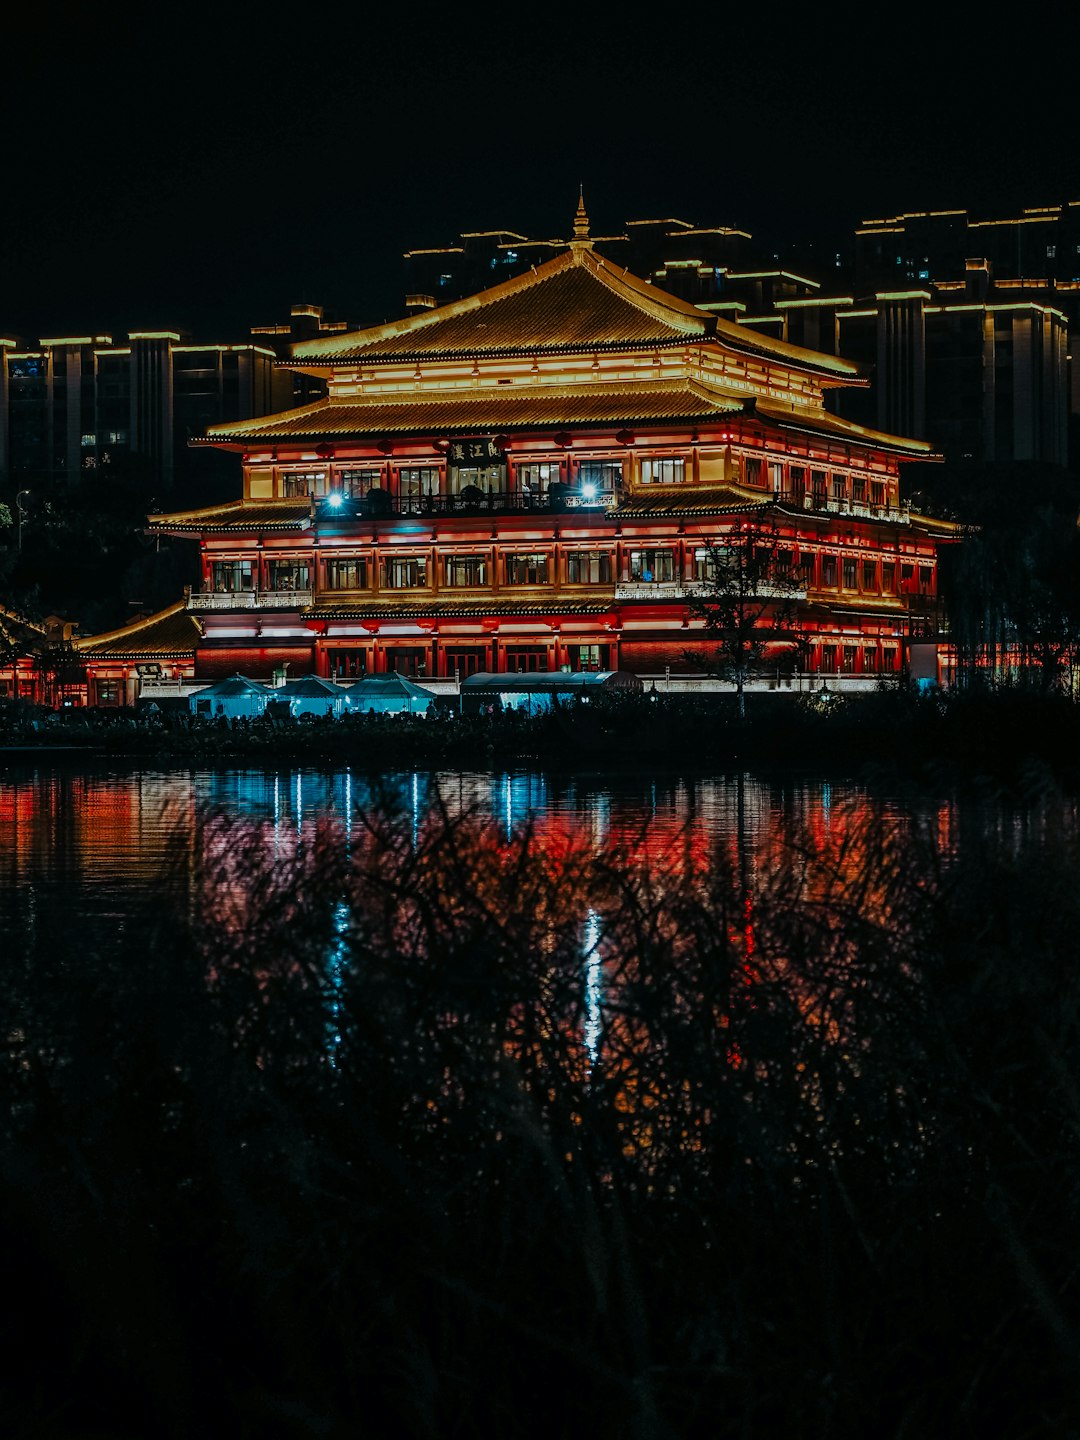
[[1003, 733], [435, 1136]]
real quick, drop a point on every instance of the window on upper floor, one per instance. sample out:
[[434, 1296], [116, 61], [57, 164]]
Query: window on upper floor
[[306, 482], [347, 574], [599, 476], [403, 572], [589, 567], [286, 574], [418, 481], [651, 566], [232, 576], [465, 569], [663, 471], [357, 483], [528, 568], [537, 477]]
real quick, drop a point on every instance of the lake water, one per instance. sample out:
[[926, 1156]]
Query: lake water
[[82, 848]]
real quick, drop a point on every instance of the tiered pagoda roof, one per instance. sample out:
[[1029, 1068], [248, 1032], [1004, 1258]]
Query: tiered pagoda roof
[[241, 516], [171, 634], [465, 411], [575, 302]]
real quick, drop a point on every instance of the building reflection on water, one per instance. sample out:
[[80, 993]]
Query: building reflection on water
[[92, 842], [655, 921]]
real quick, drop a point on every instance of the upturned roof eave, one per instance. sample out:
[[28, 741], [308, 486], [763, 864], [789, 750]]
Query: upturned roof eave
[[327, 367], [509, 427], [634, 291]]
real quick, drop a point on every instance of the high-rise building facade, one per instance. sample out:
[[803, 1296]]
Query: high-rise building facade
[[74, 404], [962, 323]]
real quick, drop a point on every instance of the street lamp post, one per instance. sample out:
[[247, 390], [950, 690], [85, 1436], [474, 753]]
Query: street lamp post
[[20, 517]]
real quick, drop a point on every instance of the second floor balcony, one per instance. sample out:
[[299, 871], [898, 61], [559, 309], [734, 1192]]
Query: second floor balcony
[[472, 500], [656, 590], [249, 600]]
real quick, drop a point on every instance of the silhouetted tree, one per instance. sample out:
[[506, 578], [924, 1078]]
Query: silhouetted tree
[[747, 599]]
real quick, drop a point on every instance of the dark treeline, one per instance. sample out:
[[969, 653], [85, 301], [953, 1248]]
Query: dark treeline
[[440, 1136], [1005, 732]]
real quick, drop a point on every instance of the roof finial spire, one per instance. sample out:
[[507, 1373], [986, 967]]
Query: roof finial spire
[[581, 219]]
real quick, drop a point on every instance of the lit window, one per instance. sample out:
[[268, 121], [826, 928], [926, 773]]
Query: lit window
[[601, 475], [357, 483], [663, 472], [529, 569], [231, 576], [588, 567], [465, 569], [403, 572], [286, 574], [652, 566], [307, 482]]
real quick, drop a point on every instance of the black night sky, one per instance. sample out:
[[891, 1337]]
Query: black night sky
[[203, 167]]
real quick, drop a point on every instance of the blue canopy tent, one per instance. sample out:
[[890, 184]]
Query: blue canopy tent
[[312, 695], [388, 695], [235, 698], [537, 690]]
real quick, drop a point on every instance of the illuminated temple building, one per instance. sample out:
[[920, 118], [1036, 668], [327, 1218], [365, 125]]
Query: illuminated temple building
[[531, 478]]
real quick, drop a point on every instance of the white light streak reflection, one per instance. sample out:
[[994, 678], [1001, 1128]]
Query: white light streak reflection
[[335, 980], [592, 1029]]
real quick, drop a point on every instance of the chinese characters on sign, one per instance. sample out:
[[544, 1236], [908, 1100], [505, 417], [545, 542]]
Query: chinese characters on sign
[[463, 452]]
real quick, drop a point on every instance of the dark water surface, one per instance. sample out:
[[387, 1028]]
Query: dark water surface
[[86, 844], [528, 1103]]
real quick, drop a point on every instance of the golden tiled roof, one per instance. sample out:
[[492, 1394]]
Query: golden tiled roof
[[820, 422], [16, 632], [456, 609], [245, 515], [170, 634], [575, 301], [943, 529], [487, 409], [720, 501]]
